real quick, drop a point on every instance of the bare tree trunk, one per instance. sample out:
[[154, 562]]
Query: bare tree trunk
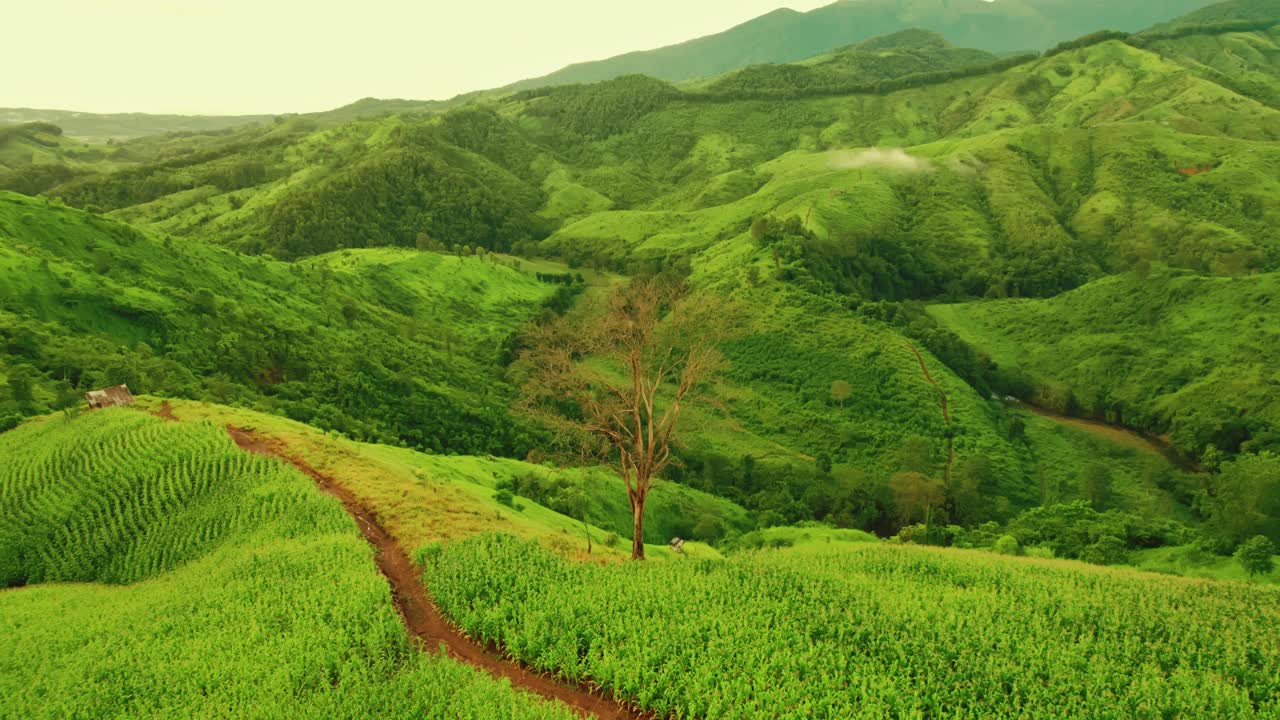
[[637, 528]]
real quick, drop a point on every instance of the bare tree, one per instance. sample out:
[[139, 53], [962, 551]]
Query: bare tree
[[613, 378]]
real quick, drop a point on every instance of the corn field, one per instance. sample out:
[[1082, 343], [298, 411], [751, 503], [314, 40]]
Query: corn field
[[875, 631], [252, 595]]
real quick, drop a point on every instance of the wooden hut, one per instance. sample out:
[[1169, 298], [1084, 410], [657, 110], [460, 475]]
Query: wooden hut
[[117, 396]]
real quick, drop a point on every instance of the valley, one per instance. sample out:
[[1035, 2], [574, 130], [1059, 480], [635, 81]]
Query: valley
[[898, 358]]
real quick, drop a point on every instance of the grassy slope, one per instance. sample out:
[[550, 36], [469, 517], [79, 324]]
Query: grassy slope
[[267, 606], [1073, 156], [1191, 561], [90, 293], [1065, 167], [1176, 354], [432, 498]]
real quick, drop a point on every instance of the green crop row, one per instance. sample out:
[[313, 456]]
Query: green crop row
[[262, 601], [874, 631]]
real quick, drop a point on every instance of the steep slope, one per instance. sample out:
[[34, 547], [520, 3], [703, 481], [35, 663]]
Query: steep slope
[[248, 590], [397, 345], [785, 36], [1022, 180], [1166, 353]]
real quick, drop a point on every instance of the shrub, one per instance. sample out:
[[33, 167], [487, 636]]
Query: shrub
[[1008, 545], [505, 497], [1256, 555], [1108, 550]]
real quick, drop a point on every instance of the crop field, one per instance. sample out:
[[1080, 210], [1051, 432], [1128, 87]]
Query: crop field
[[874, 631], [250, 595]]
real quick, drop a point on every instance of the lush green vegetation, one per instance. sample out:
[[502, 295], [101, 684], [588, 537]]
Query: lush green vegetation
[[873, 631], [399, 346], [865, 67], [1162, 352], [903, 233], [429, 498], [250, 592], [1027, 181]]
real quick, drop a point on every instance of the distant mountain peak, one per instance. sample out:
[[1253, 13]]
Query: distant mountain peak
[[787, 36]]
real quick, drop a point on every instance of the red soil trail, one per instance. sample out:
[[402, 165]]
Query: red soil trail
[[421, 617]]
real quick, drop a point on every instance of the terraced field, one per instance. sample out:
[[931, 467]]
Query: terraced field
[[250, 595]]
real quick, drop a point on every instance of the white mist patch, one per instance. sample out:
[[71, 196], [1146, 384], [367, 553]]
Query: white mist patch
[[887, 158]]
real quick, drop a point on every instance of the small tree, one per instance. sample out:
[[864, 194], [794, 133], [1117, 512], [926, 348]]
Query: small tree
[[1008, 545], [613, 379], [1256, 555], [1095, 485], [841, 391], [916, 496]]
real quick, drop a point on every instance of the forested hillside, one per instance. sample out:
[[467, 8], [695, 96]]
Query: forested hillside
[[1025, 181], [397, 346], [1163, 352], [909, 349], [351, 277]]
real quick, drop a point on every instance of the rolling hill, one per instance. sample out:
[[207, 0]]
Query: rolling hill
[[88, 301], [99, 128], [1168, 353], [827, 215], [988, 334], [785, 36]]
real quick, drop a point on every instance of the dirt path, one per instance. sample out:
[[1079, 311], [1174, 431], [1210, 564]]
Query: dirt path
[[421, 617], [1115, 433]]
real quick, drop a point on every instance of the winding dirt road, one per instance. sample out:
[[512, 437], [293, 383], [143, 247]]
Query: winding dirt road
[[421, 617], [1117, 434]]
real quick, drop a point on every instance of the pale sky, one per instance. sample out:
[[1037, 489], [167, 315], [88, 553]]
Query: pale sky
[[276, 56]]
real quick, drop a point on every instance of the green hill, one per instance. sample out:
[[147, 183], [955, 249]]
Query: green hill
[[826, 215], [1166, 353], [1023, 180], [425, 497], [249, 592], [401, 346], [881, 59], [784, 35], [98, 127]]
